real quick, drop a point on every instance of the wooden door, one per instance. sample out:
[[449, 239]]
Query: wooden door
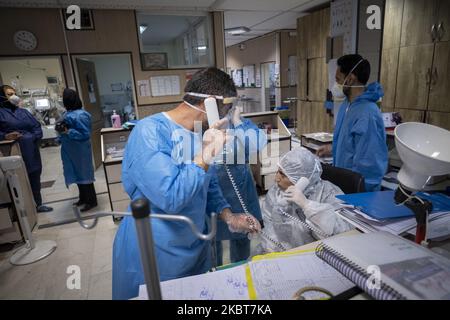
[[418, 18], [414, 72], [443, 19], [91, 102], [439, 99]]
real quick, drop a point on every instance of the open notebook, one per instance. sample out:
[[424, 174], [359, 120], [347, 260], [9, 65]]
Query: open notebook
[[275, 276], [407, 270]]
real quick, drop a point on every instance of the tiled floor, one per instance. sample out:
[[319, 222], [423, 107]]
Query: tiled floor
[[90, 250]]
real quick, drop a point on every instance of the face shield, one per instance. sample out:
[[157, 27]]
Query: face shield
[[225, 105]]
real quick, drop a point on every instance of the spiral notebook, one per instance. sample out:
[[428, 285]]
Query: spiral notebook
[[388, 267]]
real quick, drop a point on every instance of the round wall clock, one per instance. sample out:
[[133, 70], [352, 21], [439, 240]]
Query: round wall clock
[[25, 40]]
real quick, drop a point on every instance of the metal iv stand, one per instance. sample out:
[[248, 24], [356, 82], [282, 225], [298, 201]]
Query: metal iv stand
[[140, 210]]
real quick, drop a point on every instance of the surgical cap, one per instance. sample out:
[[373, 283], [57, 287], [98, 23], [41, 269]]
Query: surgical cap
[[300, 162]]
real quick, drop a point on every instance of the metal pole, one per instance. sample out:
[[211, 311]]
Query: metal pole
[[141, 211]]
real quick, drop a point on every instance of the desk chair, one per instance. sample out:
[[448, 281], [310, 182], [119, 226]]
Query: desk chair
[[349, 181]]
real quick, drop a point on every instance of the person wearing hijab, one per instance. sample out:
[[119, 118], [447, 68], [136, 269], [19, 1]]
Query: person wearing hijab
[[315, 205], [19, 124], [76, 153]]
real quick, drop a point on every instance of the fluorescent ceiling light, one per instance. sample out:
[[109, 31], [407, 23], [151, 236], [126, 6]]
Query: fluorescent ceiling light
[[142, 28], [237, 30], [201, 47]]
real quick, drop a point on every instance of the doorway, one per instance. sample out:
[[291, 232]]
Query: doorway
[[105, 84]]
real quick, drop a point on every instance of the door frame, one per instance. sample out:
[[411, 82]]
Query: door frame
[[87, 55]]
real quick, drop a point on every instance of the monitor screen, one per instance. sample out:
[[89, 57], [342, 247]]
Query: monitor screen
[[42, 103], [52, 80]]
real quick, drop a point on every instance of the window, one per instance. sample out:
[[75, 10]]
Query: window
[[187, 40]]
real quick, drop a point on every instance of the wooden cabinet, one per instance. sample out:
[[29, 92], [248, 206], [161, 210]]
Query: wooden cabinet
[[440, 119], [302, 38], [302, 84], [440, 79], [392, 24], [317, 79], [304, 116], [312, 33], [411, 115], [423, 45], [443, 20], [414, 72], [388, 76], [418, 18]]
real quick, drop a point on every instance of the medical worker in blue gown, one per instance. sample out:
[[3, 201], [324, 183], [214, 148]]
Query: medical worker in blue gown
[[359, 142], [18, 124], [76, 151], [249, 140], [167, 161]]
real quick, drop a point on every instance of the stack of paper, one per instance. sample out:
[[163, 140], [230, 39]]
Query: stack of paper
[[439, 222]]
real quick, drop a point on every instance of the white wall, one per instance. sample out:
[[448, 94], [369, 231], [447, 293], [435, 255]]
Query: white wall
[[111, 69], [32, 72]]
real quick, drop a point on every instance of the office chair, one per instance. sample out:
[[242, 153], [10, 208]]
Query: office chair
[[349, 181]]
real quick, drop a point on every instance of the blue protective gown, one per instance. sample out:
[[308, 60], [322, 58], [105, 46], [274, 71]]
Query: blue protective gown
[[243, 177], [21, 120], [156, 166], [359, 142], [76, 153]]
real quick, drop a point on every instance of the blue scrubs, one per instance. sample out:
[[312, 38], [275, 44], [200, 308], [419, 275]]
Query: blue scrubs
[[157, 165], [76, 153], [359, 142], [241, 172], [22, 121]]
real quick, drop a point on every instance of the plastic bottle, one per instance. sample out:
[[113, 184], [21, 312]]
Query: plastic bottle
[[115, 120]]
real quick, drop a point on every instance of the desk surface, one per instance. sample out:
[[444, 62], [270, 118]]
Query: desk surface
[[7, 142]]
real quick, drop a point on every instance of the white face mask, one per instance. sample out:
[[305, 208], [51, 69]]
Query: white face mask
[[15, 100], [338, 89]]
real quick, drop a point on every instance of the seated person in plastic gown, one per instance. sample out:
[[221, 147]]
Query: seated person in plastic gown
[[316, 204], [166, 162]]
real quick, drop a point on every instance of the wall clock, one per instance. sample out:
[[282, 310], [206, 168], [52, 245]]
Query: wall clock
[[25, 40]]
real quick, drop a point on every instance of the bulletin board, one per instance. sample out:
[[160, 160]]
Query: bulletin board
[[344, 24]]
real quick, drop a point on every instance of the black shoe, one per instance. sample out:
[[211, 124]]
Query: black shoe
[[44, 209], [78, 203], [88, 207]]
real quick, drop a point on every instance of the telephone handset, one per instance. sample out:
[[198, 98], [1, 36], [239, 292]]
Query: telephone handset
[[212, 112], [301, 185]]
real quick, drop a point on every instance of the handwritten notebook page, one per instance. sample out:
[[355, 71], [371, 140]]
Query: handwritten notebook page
[[280, 278], [228, 284]]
